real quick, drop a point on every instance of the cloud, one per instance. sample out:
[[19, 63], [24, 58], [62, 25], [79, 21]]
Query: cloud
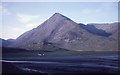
[[11, 32], [90, 11], [32, 25], [29, 21], [104, 7], [3, 10], [26, 18]]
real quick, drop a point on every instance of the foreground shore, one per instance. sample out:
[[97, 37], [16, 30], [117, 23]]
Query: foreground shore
[[61, 64]]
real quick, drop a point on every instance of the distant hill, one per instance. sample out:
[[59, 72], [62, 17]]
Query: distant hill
[[6, 43], [61, 32]]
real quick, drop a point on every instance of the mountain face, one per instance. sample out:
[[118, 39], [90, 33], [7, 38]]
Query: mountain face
[[60, 31]]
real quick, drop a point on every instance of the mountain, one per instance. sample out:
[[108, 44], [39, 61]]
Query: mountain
[[108, 27], [61, 32], [92, 29], [6, 43]]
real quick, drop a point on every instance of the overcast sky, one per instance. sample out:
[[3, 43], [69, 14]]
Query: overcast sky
[[18, 17]]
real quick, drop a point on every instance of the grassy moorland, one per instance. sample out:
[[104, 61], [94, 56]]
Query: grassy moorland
[[14, 52]]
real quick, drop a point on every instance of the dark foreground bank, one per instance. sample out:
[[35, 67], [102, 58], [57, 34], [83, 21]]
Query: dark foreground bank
[[72, 65]]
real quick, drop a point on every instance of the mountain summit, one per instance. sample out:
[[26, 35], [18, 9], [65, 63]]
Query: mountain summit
[[60, 31], [60, 15]]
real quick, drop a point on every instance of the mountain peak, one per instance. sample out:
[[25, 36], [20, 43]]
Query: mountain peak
[[57, 14], [60, 16]]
